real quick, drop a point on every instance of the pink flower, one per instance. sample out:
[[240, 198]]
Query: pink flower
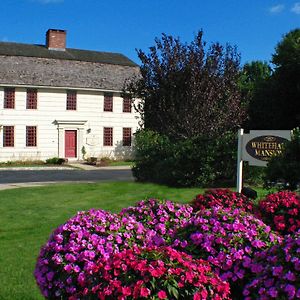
[[144, 292], [126, 291], [162, 294]]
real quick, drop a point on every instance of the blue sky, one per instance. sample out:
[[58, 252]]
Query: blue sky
[[254, 26]]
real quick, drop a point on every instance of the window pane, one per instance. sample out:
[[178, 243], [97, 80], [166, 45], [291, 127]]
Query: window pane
[[126, 105], [108, 136], [31, 102], [108, 102], [8, 136], [71, 100], [9, 98], [30, 136], [126, 136]]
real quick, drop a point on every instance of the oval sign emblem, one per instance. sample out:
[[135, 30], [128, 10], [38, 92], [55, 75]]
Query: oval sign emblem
[[266, 146]]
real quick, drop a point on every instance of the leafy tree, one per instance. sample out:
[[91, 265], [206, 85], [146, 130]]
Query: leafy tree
[[273, 97], [188, 90], [286, 166], [287, 77], [254, 82], [253, 74]]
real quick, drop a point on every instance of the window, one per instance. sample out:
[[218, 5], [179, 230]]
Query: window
[[108, 136], [8, 136], [126, 136], [9, 98], [108, 102], [31, 101], [127, 105], [71, 100], [30, 136]]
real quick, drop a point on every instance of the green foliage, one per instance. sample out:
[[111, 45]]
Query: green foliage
[[287, 52], [22, 163], [197, 161], [55, 161], [272, 98], [286, 166], [253, 175], [252, 81], [83, 152]]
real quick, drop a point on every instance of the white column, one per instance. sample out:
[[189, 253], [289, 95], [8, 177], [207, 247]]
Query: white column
[[239, 173], [61, 142]]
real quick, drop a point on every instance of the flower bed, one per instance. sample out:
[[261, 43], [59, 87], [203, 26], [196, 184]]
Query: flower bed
[[153, 273], [73, 248], [281, 211], [224, 198], [101, 255], [161, 218], [278, 274], [229, 240]]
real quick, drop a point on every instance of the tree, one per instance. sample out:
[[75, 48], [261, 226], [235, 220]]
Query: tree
[[272, 96], [287, 78], [286, 166], [254, 80], [188, 90]]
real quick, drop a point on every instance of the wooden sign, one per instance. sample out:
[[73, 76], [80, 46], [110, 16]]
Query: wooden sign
[[257, 147]]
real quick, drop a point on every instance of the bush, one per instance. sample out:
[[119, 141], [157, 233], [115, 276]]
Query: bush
[[75, 246], [229, 240], [281, 211], [152, 273], [253, 175], [16, 163], [286, 166], [278, 272], [55, 161], [161, 218], [197, 161], [223, 198]]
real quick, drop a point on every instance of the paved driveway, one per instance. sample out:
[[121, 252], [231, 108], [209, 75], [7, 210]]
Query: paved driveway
[[39, 176]]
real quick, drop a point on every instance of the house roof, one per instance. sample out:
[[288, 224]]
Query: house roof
[[35, 65], [17, 49]]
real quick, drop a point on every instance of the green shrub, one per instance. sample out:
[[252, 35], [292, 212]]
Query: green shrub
[[253, 175], [55, 161], [198, 161], [286, 166], [21, 163]]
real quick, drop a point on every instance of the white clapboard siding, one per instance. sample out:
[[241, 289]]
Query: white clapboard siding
[[51, 107]]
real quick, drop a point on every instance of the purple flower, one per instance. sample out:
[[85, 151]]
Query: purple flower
[[291, 291], [277, 271]]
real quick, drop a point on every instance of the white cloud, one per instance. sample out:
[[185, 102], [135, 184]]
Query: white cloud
[[296, 8], [276, 9]]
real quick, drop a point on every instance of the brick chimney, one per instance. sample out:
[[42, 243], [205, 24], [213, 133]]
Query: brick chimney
[[56, 39]]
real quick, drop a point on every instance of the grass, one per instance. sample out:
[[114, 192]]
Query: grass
[[29, 215]]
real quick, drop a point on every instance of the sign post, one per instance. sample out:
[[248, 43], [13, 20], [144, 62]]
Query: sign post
[[257, 147], [239, 176]]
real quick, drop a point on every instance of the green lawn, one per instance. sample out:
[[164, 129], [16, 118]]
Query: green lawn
[[29, 215]]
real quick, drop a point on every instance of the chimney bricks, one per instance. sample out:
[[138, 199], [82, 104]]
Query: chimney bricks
[[56, 39]]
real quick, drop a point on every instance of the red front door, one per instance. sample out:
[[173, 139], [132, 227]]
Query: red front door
[[70, 143]]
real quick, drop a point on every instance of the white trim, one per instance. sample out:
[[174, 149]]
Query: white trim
[[69, 122], [59, 88], [62, 126]]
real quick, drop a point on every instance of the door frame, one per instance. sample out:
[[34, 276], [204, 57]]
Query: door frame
[[62, 126]]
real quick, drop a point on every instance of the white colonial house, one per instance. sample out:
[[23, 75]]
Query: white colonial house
[[54, 101]]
